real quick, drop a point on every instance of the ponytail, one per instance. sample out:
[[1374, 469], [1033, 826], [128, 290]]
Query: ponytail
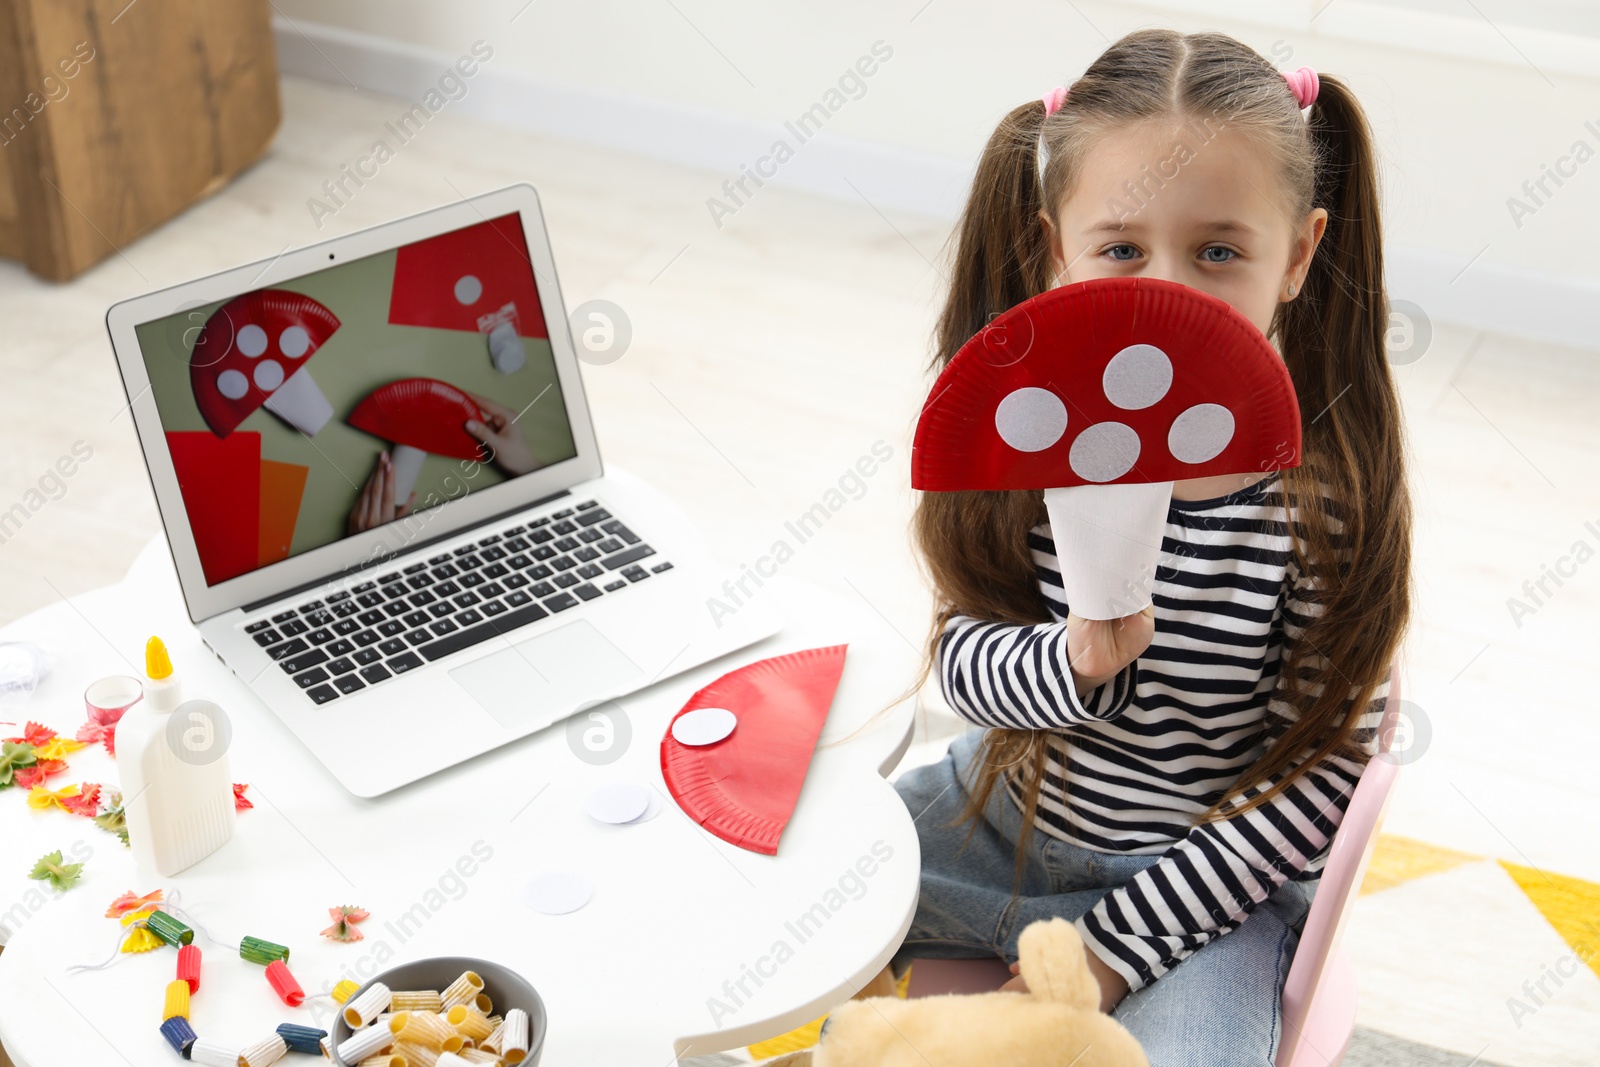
[[1353, 529], [1001, 255]]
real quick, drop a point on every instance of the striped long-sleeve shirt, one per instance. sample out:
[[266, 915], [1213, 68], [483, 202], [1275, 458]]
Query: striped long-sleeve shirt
[[1134, 762]]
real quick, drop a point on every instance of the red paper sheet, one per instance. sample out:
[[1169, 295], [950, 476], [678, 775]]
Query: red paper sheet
[[744, 788], [220, 479], [488, 263]]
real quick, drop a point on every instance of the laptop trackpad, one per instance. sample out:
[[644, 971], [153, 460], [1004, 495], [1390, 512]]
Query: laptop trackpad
[[535, 682]]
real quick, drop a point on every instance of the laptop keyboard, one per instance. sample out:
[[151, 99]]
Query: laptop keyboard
[[375, 630]]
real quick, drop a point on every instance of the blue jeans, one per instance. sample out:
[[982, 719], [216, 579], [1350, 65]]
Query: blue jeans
[[1217, 1008]]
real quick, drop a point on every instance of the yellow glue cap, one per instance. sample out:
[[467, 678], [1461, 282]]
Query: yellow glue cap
[[157, 664]]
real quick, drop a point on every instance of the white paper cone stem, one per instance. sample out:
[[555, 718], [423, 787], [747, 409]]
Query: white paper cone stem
[[407, 463], [300, 403], [505, 349], [1108, 539]]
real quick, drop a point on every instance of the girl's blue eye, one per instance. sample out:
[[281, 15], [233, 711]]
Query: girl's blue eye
[[1218, 254], [1122, 253]]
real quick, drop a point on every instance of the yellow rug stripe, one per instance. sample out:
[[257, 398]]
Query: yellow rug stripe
[[800, 1038], [1400, 859], [806, 1036], [1571, 905]]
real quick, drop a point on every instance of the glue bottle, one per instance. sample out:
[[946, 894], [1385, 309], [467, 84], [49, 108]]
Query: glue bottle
[[172, 759]]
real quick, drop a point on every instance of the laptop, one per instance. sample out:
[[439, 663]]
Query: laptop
[[379, 479]]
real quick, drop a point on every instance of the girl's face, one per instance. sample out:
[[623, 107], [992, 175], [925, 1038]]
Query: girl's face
[[1204, 207]]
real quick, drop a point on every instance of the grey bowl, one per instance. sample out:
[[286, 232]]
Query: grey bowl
[[505, 987]]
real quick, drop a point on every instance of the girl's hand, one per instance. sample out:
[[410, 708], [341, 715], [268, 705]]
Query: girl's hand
[[1113, 987], [1098, 648]]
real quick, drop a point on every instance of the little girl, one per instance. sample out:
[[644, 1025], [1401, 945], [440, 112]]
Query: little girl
[[1171, 780]]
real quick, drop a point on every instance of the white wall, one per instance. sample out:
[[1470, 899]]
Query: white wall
[[1465, 109]]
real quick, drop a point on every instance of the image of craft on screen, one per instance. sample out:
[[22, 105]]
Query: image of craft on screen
[[359, 395]]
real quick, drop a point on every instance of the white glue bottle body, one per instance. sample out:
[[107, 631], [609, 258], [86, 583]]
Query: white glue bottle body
[[177, 791]]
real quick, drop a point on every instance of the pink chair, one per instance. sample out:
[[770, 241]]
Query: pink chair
[[1319, 996]]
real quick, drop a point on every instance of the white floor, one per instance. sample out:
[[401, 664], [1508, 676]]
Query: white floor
[[770, 353]]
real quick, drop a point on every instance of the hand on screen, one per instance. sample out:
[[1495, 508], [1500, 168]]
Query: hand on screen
[[375, 506], [508, 449]]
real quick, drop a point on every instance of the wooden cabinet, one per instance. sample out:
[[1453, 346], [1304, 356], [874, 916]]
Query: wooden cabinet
[[117, 115]]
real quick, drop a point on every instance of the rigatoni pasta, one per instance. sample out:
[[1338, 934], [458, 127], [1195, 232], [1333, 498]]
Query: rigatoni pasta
[[416, 1000], [464, 990], [264, 1053], [366, 1006]]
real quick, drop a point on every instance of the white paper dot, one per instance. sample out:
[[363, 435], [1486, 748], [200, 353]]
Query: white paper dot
[[252, 340], [1200, 433], [294, 341], [617, 803], [703, 726], [468, 289], [651, 811], [1137, 377], [1030, 419], [269, 375], [557, 892], [233, 384], [1104, 451]]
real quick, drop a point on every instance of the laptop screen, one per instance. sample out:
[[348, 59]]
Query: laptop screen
[[368, 393]]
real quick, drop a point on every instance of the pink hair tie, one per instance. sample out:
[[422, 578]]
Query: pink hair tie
[[1303, 83], [1056, 97]]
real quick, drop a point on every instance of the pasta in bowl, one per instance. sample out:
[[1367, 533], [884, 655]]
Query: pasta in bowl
[[441, 1012]]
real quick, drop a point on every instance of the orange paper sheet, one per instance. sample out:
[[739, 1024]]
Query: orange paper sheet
[[282, 486]]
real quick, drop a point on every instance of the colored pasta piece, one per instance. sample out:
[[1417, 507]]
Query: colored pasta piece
[[169, 929], [179, 1034], [344, 990], [176, 1005], [363, 1043], [189, 966], [514, 1041], [213, 1054], [264, 1053], [463, 990], [284, 984], [417, 1000], [307, 1039], [255, 950], [365, 1007]]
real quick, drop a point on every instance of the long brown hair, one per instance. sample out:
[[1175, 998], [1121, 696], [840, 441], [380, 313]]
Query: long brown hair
[[974, 544]]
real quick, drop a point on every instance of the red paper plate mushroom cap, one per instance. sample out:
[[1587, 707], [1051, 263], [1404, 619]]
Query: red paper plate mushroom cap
[[424, 413], [744, 788], [249, 347], [1112, 380]]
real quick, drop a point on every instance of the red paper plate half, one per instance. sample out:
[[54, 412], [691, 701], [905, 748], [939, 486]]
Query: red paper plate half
[[249, 347], [744, 787], [450, 281], [423, 413], [1112, 380]]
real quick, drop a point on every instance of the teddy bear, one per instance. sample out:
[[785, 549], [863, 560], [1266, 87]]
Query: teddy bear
[[1055, 1023]]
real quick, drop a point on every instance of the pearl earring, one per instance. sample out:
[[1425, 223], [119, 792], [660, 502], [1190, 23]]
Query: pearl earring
[[1291, 288]]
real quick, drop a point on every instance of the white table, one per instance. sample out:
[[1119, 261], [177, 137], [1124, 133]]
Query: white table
[[650, 969]]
